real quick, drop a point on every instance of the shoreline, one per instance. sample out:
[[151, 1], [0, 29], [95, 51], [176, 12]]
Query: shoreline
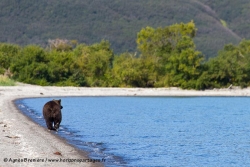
[[26, 143], [25, 91], [81, 153], [22, 138]]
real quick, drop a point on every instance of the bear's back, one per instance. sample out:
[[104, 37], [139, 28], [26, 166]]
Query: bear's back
[[52, 106]]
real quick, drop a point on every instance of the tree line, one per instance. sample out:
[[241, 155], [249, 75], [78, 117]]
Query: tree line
[[165, 57]]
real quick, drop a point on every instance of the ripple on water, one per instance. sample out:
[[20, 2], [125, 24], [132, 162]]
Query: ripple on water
[[155, 131]]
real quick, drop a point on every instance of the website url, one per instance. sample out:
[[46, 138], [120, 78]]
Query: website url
[[37, 160]]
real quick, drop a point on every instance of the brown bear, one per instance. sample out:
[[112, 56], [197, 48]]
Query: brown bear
[[52, 114]]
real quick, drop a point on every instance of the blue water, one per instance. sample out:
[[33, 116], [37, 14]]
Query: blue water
[[155, 131]]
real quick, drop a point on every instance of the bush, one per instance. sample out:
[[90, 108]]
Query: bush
[[5, 81]]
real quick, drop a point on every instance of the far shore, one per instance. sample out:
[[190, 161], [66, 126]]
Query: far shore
[[25, 90], [21, 138]]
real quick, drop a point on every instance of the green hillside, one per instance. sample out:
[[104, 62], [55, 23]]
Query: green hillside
[[235, 13], [119, 21]]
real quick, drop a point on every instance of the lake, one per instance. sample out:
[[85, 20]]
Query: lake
[[154, 131]]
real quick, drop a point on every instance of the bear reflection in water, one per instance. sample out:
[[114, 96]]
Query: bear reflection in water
[[52, 114]]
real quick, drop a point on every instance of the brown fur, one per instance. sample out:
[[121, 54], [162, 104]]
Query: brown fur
[[52, 114]]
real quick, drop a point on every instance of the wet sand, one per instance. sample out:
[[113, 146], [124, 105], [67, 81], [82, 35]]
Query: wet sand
[[23, 140]]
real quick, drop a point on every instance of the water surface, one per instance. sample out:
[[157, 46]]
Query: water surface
[[155, 131]]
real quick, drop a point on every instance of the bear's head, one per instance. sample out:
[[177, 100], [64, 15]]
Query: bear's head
[[58, 102]]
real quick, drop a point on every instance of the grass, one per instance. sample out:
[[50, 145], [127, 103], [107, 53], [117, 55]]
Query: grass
[[6, 81], [224, 23]]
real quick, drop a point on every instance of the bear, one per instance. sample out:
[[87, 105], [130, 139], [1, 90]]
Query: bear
[[52, 114]]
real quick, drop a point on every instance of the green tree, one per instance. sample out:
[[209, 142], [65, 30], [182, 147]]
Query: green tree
[[184, 65], [34, 65], [129, 71], [95, 61], [8, 52], [171, 55], [30, 64], [231, 66], [160, 41], [62, 69]]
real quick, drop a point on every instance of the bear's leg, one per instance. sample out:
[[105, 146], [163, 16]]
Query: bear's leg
[[49, 125], [56, 125]]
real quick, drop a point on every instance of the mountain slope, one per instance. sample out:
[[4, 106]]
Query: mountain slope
[[235, 13], [119, 21]]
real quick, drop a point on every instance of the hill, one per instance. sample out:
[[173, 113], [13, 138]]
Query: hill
[[119, 21]]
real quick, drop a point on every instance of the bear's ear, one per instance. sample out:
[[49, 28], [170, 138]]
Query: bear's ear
[[59, 101]]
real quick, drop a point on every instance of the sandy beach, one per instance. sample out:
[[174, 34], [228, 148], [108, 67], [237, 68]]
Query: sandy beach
[[23, 140]]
